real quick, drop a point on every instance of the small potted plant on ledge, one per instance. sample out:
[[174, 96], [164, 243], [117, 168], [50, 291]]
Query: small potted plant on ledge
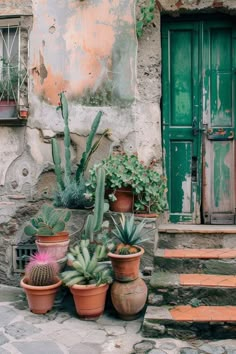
[[11, 78], [88, 281], [41, 282], [131, 185], [49, 229]]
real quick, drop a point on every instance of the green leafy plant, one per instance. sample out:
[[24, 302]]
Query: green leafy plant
[[130, 234], [48, 222], [41, 270], [123, 170], [85, 268], [146, 17], [71, 187], [10, 78]]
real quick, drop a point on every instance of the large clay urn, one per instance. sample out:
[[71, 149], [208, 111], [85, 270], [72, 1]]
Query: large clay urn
[[129, 298]]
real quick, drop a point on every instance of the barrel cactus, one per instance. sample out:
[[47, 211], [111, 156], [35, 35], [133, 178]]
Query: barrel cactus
[[42, 269]]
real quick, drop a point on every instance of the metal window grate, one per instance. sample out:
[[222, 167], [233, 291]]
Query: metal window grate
[[21, 254]]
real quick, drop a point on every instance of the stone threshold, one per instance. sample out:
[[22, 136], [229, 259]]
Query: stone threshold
[[207, 253]]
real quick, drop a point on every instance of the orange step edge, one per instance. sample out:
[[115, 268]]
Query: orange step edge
[[207, 253], [204, 313], [209, 280]]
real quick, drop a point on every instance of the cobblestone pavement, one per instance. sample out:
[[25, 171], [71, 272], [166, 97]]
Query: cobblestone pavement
[[61, 331]]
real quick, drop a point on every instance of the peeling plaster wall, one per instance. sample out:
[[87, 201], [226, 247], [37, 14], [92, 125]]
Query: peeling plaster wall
[[74, 49]]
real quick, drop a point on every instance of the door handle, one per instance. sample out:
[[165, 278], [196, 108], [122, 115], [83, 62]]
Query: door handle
[[195, 128]]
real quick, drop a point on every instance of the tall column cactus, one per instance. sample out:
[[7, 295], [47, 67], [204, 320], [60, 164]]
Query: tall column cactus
[[94, 222], [65, 116], [67, 183]]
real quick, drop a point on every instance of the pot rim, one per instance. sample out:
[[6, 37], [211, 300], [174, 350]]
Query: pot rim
[[88, 286], [52, 244], [57, 235], [127, 256], [46, 287]]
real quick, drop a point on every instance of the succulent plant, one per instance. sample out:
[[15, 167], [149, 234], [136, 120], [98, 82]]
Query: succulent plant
[[48, 222], [129, 233], [85, 268], [42, 269], [71, 187]]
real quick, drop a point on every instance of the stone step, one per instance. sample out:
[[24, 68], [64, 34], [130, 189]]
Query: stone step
[[196, 236], [187, 322], [211, 261], [173, 289]]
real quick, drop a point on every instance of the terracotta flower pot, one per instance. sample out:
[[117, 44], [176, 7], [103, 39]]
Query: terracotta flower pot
[[40, 298], [126, 267], [124, 200], [89, 300], [59, 237], [129, 298], [56, 249]]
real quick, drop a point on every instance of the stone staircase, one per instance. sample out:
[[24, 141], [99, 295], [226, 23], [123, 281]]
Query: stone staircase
[[192, 292]]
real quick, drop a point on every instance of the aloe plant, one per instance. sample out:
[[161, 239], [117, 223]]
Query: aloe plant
[[85, 268], [71, 187], [48, 222], [129, 233]]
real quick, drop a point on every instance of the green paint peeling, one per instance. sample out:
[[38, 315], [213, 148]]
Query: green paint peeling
[[221, 172]]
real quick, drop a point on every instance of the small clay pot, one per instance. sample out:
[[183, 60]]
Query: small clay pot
[[126, 267], [40, 298], [59, 237], [57, 250], [89, 300], [124, 200]]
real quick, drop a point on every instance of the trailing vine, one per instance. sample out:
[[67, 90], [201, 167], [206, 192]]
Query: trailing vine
[[146, 16]]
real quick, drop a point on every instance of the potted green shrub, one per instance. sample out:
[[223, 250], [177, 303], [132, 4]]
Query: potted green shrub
[[41, 282], [126, 256], [88, 281], [11, 78], [124, 172], [49, 229]]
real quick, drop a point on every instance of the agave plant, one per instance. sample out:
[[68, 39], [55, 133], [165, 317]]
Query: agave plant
[[129, 233], [85, 268], [48, 222]]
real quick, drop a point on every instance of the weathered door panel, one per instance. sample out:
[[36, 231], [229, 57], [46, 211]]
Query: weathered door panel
[[219, 120], [180, 115]]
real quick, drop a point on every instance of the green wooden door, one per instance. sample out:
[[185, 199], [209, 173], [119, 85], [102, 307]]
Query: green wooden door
[[198, 120], [219, 103], [181, 80]]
